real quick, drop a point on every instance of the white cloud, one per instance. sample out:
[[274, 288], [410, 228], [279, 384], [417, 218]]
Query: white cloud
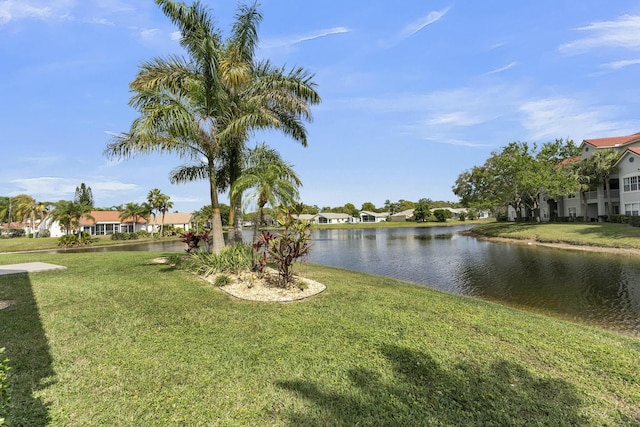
[[616, 65], [15, 10], [176, 35], [150, 34], [290, 41], [52, 189], [565, 117], [505, 68], [101, 21], [423, 22], [458, 118], [623, 32]]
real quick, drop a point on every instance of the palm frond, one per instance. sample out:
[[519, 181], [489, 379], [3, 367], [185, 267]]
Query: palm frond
[[188, 173]]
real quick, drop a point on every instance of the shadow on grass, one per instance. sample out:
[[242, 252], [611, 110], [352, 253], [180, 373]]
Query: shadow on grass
[[421, 392], [27, 349]]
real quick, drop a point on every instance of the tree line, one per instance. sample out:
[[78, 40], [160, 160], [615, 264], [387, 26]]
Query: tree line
[[520, 173]]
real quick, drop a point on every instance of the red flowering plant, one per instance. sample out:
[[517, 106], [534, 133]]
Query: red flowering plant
[[193, 240]]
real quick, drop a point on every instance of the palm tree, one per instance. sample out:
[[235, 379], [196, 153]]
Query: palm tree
[[69, 214], [203, 108], [6, 211], [135, 211], [27, 208], [583, 172], [603, 162], [164, 205], [272, 179], [155, 200]]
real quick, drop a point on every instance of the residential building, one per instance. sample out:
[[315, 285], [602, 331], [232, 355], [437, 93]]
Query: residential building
[[178, 220], [327, 218], [406, 215], [366, 216], [109, 222], [624, 185]]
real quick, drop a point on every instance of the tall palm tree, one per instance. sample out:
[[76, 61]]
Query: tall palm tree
[[6, 211], [69, 214], [583, 172], [164, 205], [603, 162], [204, 108], [155, 198], [135, 211], [272, 179], [27, 208]]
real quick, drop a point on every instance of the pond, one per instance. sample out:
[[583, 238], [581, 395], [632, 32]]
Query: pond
[[593, 288]]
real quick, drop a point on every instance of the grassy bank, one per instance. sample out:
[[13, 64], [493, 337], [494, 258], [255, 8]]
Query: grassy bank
[[578, 233], [26, 244], [116, 340]]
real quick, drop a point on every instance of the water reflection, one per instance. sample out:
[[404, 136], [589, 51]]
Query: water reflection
[[594, 288]]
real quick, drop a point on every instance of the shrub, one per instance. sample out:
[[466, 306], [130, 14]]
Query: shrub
[[462, 216], [142, 233], [17, 232], [294, 242], [193, 240], [67, 240], [124, 236], [222, 280], [442, 215], [44, 233], [5, 397], [231, 259]]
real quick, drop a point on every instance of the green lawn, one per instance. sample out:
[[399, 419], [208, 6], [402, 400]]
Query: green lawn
[[116, 340], [26, 244], [577, 233]]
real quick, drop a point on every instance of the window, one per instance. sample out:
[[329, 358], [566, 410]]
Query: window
[[571, 196], [632, 209], [573, 212], [630, 184]]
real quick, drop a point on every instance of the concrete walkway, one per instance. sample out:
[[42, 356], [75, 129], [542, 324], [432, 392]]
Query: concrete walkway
[[28, 267]]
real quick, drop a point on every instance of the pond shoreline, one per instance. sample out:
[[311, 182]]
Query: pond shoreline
[[557, 245]]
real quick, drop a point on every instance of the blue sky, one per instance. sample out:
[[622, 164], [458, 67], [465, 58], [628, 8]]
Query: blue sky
[[414, 92]]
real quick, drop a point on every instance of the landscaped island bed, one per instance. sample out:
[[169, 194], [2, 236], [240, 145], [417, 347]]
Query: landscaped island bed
[[116, 339]]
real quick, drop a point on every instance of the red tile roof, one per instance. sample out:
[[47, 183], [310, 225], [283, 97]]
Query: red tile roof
[[613, 141], [635, 150], [109, 217], [569, 161]]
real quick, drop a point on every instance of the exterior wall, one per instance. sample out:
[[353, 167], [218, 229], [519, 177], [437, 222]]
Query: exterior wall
[[628, 168], [52, 226], [372, 217]]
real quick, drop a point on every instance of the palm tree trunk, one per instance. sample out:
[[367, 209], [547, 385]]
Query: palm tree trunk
[[607, 189], [217, 237], [237, 225], [258, 223], [583, 194]]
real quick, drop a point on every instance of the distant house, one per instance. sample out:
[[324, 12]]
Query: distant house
[[306, 217], [17, 225], [333, 218], [108, 222], [176, 219], [366, 216], [405, 215], [326, 218]]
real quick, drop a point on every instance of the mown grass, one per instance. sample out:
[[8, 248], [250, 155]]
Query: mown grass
[[117, 340], [18, 244], [578, 233]]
